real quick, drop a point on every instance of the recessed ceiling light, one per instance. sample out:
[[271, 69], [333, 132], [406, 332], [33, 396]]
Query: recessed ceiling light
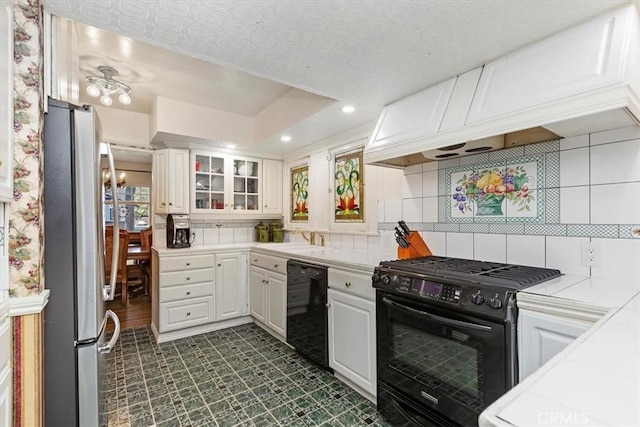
[[285, 138], [348, 109]]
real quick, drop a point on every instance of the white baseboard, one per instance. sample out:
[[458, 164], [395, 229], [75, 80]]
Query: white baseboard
[[201, 329]]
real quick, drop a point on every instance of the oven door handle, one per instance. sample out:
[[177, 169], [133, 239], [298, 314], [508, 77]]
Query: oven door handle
[[439, 319]]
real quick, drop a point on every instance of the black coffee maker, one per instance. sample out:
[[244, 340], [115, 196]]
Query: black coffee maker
[[178, 231]]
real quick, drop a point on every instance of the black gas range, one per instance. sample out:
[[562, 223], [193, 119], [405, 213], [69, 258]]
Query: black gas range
[[446, 336]]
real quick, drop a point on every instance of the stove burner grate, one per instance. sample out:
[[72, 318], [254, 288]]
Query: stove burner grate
[[479, 272]]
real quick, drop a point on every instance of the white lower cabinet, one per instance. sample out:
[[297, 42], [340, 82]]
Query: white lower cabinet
[[231, 285], [196, 293], [541, 336], [185, 295], [352, 338], [269, 296], [276, 303]]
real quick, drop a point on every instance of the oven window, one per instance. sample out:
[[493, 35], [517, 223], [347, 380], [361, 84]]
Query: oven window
[[441, 358]]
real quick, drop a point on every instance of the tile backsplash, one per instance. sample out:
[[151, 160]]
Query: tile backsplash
[[212, 231], [585, 189]]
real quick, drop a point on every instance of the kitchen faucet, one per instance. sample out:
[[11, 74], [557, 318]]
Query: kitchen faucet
[[311, 239]]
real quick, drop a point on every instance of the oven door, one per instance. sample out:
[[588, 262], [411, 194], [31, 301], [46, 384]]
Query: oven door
[[443, 361]]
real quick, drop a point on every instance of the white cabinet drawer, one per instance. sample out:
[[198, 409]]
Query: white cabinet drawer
[[269, 262], [186, 277], [5, 341], [184, 314], [184, 292], [358, 284], [193, 262]]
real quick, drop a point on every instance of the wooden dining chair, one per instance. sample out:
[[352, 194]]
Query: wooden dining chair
[[146, 240], [121, 277]]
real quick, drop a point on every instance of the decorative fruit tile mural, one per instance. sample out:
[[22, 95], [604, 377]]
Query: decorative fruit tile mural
[[501, 191]]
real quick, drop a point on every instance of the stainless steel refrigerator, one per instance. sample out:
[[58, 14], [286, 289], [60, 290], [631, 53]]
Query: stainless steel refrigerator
[[75, 318]]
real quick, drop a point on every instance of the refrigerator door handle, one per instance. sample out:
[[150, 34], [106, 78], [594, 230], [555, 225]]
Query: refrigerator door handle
[[105, 349], [110, 291]]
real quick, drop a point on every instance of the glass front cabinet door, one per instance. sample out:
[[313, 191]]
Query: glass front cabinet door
[[225, 184]]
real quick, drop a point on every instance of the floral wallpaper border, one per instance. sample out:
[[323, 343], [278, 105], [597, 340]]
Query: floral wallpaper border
[[25, 233]]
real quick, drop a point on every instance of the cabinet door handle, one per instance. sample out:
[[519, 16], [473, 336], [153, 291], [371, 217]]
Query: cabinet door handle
[[347, 284], [163, 204], [266, 281], [188, 264], [275, 265], [255, 260], [219, 265], [170, 204], [188, 313], [188, 278], [188, 292], [328, 305], [266, 206]]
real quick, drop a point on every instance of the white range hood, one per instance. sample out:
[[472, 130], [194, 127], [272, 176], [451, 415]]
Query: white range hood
[[583, 80]]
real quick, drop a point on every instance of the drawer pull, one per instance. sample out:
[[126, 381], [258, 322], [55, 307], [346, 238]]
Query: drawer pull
[[275, 265], [328, 305], [219, 265], [188, 263], [188, 278], [347, 284], [188, 292], [188, 313], [266, 281], [255, 260]]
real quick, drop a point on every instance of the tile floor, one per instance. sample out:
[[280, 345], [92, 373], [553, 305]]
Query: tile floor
[[240, 376]]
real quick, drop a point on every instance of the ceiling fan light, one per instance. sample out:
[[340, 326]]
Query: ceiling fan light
[[93, 90], [106, 100], [124, 98]]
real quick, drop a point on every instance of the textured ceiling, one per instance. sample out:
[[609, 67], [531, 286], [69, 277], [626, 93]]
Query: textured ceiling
[[366, 52], [150, 71]]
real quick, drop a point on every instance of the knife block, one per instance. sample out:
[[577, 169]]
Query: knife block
[[417, 247]]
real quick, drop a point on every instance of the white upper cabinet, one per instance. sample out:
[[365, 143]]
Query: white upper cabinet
[[582, 59], [170, 181], [416, 115], [272, 186], [223, 183], [6, 102]]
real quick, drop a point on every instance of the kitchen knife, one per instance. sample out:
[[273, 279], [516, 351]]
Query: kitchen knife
[[404, 227], [401, 240]]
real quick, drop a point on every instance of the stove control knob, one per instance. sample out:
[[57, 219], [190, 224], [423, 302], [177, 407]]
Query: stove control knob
[[386, 279], [477, 298], [495, 302], [375, 277]]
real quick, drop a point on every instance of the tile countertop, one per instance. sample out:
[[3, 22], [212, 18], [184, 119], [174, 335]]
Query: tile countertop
[[351, 259], [594, 381]]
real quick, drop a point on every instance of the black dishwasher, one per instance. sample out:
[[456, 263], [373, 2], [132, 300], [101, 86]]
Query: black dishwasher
[[307, 322]]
